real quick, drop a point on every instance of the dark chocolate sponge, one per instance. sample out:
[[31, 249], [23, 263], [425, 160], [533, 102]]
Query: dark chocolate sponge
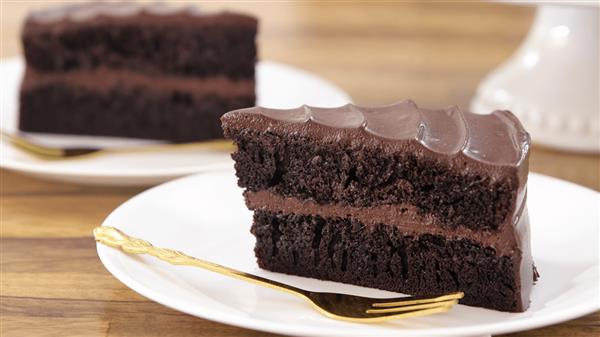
[[126, 111], [147, 38]]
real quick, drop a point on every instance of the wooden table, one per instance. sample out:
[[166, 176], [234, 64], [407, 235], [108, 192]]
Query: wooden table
[[52, 282]]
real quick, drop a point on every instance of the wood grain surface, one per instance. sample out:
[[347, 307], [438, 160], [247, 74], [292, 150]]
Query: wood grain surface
[[52, 282]]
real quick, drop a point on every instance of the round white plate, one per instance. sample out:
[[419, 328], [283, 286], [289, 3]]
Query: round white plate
[[205, 216], [278, 86]]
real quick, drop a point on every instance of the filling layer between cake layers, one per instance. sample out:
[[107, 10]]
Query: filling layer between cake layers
[[345, 205]]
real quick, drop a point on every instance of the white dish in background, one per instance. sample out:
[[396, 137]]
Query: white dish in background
[[278, 86], [562, 46], [205, 216]]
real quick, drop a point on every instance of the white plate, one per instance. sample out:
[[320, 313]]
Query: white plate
[[278, 86], [205, 216]]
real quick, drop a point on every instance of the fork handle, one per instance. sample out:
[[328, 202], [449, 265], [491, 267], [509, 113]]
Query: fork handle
[[113, 237]]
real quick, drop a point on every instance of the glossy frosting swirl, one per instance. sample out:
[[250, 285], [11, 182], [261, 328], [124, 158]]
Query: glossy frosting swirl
[[497, 138]]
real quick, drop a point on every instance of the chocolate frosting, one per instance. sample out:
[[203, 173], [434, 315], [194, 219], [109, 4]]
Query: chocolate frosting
[[495, 139]]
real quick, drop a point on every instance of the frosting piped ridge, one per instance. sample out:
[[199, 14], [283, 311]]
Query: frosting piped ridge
[[497, 138]]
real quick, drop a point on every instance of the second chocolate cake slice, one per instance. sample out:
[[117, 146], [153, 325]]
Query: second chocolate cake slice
[[141, 70], [398, 198]]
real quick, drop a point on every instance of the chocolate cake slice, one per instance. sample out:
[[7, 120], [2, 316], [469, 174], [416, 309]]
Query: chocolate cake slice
[[136, 70], [399, 198]]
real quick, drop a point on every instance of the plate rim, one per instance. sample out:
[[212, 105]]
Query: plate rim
[[520, 324]]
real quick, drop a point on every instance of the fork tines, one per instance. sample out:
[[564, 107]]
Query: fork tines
[[416, 304]]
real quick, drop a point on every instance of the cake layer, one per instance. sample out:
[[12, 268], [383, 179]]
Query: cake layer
[[126, 104], [143, 37], [383, 256], [335, 156], [464, 169]]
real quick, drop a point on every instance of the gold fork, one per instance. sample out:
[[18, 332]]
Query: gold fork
[[52, 152], [337, 306]]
